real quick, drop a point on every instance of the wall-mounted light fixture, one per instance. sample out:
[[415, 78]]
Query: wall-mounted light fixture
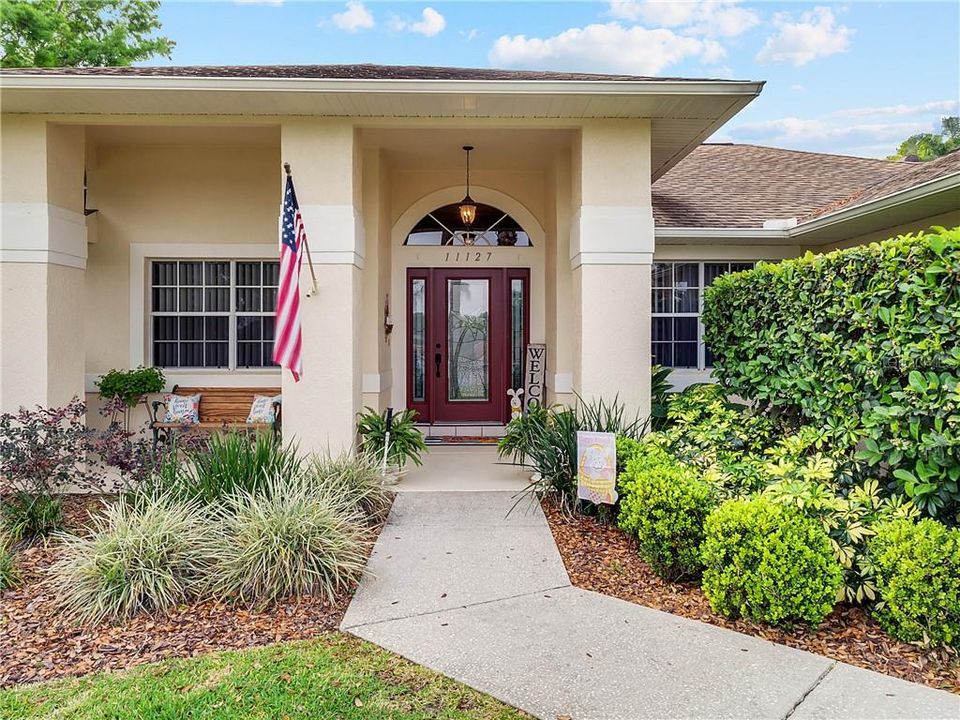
[[387, 320]]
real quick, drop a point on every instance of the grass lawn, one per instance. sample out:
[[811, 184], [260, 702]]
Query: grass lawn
[[333, 676]]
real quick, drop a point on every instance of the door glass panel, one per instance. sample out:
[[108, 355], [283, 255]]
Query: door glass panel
[[468, 354], [418, 296], [516, 333]]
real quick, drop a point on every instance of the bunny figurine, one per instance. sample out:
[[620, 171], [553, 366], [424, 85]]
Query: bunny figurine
[[516, 404]]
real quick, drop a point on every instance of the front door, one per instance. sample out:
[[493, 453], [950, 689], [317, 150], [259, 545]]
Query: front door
[[465, 347]]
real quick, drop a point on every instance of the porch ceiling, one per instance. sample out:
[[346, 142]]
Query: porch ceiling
[[683, 112], [496, 149]]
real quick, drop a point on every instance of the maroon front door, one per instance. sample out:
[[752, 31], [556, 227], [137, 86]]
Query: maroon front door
[[467, 330]]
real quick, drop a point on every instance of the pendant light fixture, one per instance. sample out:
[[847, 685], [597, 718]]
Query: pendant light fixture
[[468, 208]]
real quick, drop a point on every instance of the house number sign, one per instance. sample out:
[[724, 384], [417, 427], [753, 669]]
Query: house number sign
[[468, 256]]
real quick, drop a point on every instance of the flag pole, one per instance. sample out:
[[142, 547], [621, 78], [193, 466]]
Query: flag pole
[[306, 245]]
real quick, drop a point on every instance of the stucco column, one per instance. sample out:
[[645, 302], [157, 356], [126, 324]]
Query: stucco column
[[43, 257], [611, 251], [319, 412]]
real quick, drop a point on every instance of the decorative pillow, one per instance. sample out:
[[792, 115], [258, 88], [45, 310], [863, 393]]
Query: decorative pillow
[[262, 409], [182, 409]]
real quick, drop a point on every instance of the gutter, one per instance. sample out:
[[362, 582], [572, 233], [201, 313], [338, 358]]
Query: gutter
[[342, 85], [733, 233]]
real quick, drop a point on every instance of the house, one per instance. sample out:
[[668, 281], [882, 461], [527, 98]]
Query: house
[[140, 227]]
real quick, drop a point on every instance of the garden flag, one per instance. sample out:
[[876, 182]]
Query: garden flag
[[293, 238], [597, 467]]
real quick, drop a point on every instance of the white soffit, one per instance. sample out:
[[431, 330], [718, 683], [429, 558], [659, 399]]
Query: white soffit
[[682, 113]]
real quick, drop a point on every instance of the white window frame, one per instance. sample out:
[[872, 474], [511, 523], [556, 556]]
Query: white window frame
[[141, 350], [232, 314], [701, 346]]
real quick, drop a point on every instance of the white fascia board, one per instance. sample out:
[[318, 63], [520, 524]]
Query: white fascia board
[[715, 234], [343, 85], [917, 192]]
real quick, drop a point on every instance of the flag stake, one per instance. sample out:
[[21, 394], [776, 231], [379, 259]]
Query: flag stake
[[306, 246]]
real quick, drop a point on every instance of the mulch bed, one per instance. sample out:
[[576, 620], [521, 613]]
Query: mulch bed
[[37, 643], [601, 558]]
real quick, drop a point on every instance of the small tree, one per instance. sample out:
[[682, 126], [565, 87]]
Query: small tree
[[78, 33], [129, 388]]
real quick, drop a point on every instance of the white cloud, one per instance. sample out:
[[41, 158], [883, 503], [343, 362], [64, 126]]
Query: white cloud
[[833, 132], [470, 34], [355, 17], [815, 35], [430, 24], [604, 48], [945, 107], [712, 18]]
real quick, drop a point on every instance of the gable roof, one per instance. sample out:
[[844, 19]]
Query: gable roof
[[742, 186], [363, 71]]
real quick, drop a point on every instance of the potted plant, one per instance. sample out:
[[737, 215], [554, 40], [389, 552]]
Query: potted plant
[[405, 440], [128, 388]]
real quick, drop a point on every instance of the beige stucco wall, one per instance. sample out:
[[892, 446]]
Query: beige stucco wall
[[185, 199], [43, 244]]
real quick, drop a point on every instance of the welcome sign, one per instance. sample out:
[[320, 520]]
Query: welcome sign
[[597, 467], [533, 379]]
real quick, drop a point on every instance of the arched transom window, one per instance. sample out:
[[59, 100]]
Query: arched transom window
[[492, 227]]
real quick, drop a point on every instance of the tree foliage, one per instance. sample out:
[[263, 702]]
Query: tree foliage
[[79, 33], [928, 146]]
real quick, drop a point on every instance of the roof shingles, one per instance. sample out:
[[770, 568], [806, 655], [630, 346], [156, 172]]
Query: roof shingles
[[741, 186], [364, 71]]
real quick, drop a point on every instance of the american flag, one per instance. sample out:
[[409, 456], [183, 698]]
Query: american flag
[[287, 340]]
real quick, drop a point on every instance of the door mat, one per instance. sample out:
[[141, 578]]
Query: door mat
[[461, 440]]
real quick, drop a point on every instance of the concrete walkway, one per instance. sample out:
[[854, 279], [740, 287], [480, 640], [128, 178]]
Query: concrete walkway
[[458, 585]]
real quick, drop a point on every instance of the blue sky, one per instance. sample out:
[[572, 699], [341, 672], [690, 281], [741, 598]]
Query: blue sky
[[851, 78]]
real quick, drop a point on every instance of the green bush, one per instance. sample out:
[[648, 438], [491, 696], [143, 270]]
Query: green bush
[[359, 480], [665, 505], [222, 464], [864, 343], [918, 575], [8, 571], [292, 537], [545, 440], [406, 440], [768, 562], [26, 515], [152, 556]]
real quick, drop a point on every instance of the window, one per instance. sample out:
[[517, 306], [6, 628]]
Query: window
[[212, 313], [677, 289], [492, 227]]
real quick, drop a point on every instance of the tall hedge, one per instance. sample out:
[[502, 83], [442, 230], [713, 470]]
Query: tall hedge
[[863, 342]]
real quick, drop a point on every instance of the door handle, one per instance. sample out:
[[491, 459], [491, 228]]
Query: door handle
[[437, 359]]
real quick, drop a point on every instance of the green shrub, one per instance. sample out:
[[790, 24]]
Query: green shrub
[[665, 505], [864, 343], [545, 440], [223, 464], [849, 518], [8, 571], [359, 480], [148, 557], [768, 562], [292, 537], [918, 575], [406, 440], [26, 515]]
